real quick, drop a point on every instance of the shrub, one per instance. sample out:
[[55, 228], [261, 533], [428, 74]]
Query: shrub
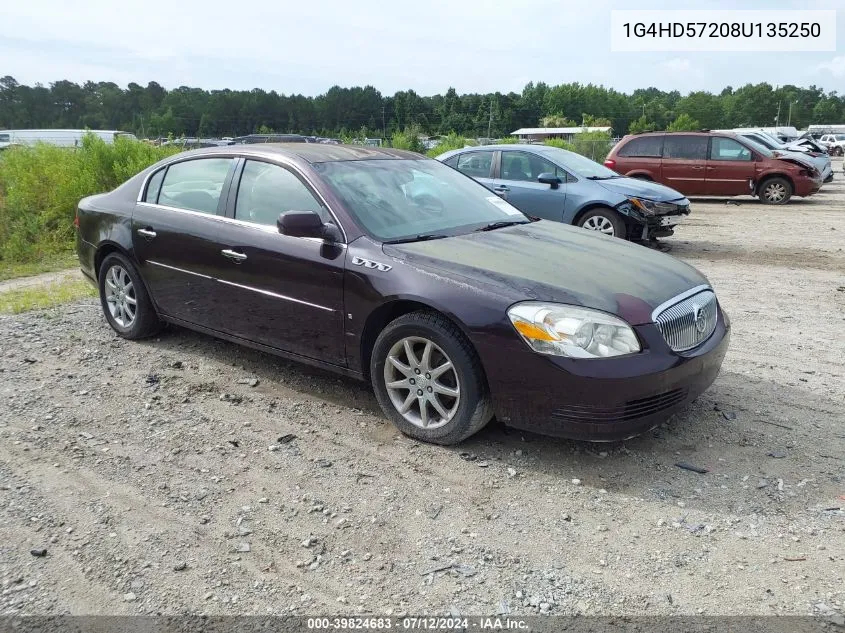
[[407, 139], [447, 143], [41, 185]]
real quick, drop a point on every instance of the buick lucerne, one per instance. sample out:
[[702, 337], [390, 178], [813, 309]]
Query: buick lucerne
[[399, 270]]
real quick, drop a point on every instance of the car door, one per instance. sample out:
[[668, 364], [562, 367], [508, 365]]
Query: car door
[[175, 229], [477, 164], [281, 291], [730, 167], [684, 163], [516, 181]]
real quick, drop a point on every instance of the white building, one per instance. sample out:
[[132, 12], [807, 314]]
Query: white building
[[540, 134]]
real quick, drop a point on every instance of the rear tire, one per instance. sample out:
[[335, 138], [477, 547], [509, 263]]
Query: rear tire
[[775, 190], [123, 296], [604, 220], [422, 366]]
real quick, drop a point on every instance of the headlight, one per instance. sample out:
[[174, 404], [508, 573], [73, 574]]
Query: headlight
[[650, 207], [562, 330]]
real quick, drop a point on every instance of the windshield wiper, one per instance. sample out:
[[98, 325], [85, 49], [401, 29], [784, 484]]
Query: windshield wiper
[[417, 238], [501, 224]]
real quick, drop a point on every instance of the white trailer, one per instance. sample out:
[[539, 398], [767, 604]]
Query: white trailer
[[62, 138]]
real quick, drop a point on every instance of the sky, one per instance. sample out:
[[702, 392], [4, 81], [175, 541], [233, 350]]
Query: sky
[[424, 45]]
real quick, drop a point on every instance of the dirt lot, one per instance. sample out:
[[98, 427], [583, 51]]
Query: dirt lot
[[153, 475]]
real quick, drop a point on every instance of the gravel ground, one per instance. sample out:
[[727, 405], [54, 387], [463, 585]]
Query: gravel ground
[[188, 475]]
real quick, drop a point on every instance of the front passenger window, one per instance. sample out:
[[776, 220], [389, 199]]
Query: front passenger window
[[266, 191]]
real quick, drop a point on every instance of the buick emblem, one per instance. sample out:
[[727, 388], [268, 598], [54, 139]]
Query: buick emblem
[[699, 318]]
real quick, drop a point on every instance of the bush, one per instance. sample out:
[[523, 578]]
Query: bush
[[41, 185], [447, 143], [408, 139], [593, 145]]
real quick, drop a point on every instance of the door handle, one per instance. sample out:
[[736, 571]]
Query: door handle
[[235, 256], [148, 233], [500, 188], [501, 191]]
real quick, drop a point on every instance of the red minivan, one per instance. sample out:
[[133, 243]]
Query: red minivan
[[714, 164]]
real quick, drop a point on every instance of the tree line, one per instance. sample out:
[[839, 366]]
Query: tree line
[[153, 111]]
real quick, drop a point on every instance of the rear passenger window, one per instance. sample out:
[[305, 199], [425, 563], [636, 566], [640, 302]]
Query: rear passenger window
[[687, 147], [475, 164], [153, 186], [728, 149], [266, 191], [651, 146], [195, 185]]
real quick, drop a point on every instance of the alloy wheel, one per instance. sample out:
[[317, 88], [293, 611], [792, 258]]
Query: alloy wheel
[[421, 382], [775, 192], [599, 223], [120, 296]]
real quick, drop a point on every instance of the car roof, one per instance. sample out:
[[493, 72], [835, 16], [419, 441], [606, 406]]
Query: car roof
[[311, 152], [527, 147]]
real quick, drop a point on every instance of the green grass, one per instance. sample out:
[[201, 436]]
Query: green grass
[[48, 264], [44, 296], [41, 185]]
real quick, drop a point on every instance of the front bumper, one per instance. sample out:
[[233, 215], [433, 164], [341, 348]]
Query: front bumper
[[602, 400]]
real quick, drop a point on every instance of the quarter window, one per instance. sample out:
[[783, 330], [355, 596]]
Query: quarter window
[[475, 164], [528, 167], [153, 186], [647, 146], [266, 191], [728, 149], [687, 147], [195, 185]]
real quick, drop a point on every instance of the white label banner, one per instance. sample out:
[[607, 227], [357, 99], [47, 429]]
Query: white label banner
[[722, 31]]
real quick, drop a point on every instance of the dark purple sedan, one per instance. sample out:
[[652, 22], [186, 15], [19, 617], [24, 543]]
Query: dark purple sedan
[[396, 269]]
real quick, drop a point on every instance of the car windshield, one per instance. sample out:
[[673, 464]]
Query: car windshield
[[579, 165], [757, 147], [400, 199]]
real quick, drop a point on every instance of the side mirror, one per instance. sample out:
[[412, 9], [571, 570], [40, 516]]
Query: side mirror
[[307, 224], [550, 179]]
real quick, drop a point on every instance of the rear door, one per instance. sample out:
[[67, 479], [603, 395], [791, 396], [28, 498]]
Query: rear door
[[684, 163], [730, 168], [477, 165], [175, 229], [516, 181], [282, 291]]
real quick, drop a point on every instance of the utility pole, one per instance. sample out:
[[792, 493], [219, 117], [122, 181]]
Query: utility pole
[[383, 130], [789, 117], [490, 120], [777, 116]]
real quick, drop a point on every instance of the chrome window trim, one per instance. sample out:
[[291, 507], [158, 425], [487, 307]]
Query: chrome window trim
[[251, 225], [232, 156], [678, 299], [251, 288]]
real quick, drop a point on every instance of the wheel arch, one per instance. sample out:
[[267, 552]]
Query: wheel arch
[[768, 176], [594, 205], [103, 250], [391, 310]]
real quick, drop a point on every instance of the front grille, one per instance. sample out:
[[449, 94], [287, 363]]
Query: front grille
[[689, 322], [631, 410]]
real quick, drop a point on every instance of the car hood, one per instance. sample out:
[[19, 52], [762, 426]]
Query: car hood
[[642, 189], [549, 261]]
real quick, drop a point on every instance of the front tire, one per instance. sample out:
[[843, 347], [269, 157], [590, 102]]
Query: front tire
[[775, 190], [604, 220], [429, 380], [123, 296]]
